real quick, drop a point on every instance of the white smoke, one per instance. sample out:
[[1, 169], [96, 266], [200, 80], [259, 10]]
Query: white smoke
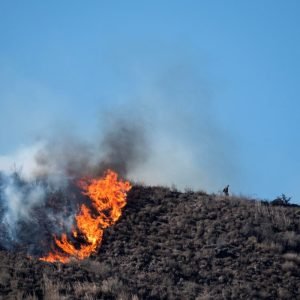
[[27, 178], [31, 177], [22, 161], [169, 163], [18, 198]]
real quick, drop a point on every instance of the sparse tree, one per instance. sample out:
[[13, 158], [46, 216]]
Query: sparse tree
[[282, 200]]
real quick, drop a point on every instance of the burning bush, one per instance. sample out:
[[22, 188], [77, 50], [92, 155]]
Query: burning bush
[[108, 197], [78, 213]]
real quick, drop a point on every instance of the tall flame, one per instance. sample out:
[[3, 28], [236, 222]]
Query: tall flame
[[108, 197]]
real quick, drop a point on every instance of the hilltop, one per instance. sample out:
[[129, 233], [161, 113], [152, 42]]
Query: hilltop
[[174, 245]]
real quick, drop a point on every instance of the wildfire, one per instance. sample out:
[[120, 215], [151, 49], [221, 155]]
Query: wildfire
[[108, 197]]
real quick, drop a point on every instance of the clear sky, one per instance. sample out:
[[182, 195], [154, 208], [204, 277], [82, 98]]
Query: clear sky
[[218, 73]]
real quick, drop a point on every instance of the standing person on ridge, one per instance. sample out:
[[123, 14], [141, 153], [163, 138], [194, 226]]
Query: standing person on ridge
[[225, 190]]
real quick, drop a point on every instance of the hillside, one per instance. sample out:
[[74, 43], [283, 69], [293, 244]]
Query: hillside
[[172, 245]]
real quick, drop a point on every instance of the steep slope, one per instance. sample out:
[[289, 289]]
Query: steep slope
[[172, 245]]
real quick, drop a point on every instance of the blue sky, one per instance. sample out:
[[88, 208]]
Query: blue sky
[[221, 78]]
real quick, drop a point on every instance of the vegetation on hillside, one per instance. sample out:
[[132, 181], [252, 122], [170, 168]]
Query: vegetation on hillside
[[173, 245]]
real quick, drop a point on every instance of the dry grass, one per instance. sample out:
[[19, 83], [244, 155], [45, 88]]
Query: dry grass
[[173, 245], [86, 290], [293, 257], [51, 289]]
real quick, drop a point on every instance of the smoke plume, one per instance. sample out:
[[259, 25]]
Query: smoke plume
[[164, 134], [38, 194]]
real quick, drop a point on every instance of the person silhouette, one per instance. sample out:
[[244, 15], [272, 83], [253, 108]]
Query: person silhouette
[[225, 190]]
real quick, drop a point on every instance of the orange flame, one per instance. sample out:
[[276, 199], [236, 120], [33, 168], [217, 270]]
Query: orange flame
[[108, 197]]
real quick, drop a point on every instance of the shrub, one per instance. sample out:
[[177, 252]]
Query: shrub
[[281, 200]]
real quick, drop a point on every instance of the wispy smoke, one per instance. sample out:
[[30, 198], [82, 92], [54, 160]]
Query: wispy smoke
[[187, 146], [164, 134], [18, 198], [38, 194], [124, 147]]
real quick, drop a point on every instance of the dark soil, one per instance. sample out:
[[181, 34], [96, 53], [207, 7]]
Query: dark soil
[[172, 245]]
